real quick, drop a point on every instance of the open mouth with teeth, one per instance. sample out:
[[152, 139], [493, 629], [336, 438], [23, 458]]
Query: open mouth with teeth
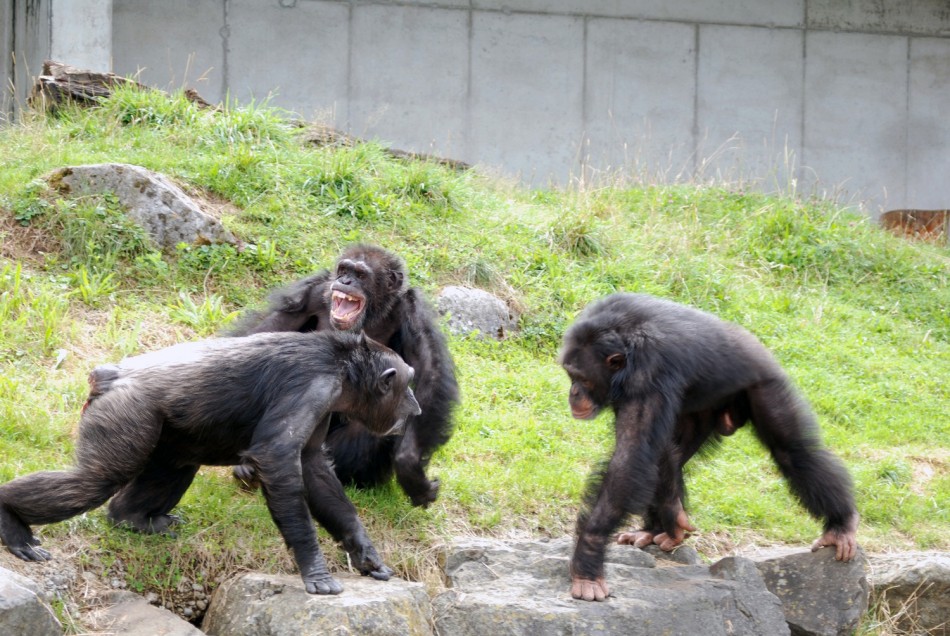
[[345, 309]]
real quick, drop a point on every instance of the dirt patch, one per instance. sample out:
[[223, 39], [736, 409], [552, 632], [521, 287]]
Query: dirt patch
[[24, 242]]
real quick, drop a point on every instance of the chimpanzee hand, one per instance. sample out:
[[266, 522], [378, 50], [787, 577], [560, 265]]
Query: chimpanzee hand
[[368, 562], [424, 497], [323, 585], [317, 579], [589, 590], [246, 475]]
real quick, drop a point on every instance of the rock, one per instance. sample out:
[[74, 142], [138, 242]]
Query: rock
[[127, 614], [21, 609], [820, 596], [523, 588], [168, 214], [468, 310], [684, 554], [915, 586], [266, 605]]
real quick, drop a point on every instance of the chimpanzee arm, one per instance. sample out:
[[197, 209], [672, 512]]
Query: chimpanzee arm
[[423, 347], [297, 307], [644, 427], [333, 510]]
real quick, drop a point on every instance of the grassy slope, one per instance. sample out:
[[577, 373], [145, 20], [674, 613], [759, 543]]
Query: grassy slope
[[861, 321]]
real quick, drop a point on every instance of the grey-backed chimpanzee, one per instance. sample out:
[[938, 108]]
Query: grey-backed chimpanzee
[[153, 420], [369, 290], [675, 378]]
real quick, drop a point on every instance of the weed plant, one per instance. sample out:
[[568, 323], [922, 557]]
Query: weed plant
[[860, 319]]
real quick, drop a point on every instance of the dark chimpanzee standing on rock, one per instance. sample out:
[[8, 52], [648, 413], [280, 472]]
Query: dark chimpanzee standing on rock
[[369, 290], [153, 420], [675, 378]]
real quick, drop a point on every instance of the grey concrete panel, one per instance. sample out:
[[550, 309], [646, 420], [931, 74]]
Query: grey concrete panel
[[6, 63], [855, 124], [298, 54], [641, 80], [750, 104], [409, 82], [928, 159], [765, 12], [175, 43], [31, 38], [82, 33], [930, 17], [527, 94]]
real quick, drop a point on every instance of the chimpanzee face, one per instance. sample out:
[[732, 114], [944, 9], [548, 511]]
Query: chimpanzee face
[[396, 397], [354, 281], [590, 371], [383, 400]]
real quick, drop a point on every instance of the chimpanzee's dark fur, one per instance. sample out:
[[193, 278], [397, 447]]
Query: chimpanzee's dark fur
[[153, 420], [397, 315], [675, 378]]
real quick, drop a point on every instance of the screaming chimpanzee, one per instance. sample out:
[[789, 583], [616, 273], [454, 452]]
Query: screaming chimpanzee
[[369, 290], [676, 377], [153, 420]]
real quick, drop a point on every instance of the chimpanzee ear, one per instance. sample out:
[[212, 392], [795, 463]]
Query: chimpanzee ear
[[395, 279], [386, 380], [616, 361]]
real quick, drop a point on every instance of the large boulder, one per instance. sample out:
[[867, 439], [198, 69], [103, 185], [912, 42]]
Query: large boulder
[[820, 596], [915, 587], [22, 611], [523, 588], [270, 605], [168, 214], [467, 310]]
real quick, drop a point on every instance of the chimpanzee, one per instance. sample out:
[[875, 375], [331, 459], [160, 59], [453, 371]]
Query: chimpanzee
[[369, 290], [676, 377], [153, 420]]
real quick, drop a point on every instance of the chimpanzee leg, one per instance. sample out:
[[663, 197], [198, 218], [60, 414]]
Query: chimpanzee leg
[[281, 476], [110, 451], [786, 426], [144, 504], [665, 522], [333, 510]]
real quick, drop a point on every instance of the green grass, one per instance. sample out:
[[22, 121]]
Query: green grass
[[860, 319]]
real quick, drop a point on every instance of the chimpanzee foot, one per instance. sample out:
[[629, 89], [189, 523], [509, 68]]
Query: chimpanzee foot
[[843, 539], [323, 585], [159, 524], [19, 538], [30, 552], [637, 538]]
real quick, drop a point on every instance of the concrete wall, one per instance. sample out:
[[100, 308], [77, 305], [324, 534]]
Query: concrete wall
[[834, 96], [32, 31]]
